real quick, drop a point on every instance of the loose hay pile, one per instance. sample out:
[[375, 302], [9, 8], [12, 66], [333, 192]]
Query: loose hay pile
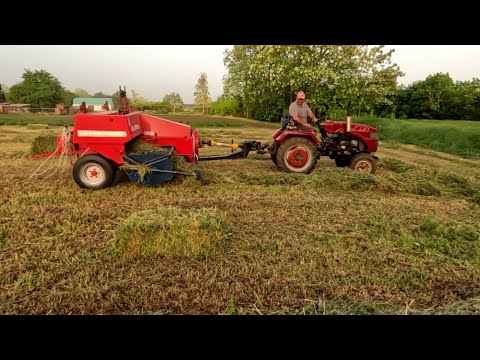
[[141, 170], [140, 147], [172, 232], [59, 160], [44, 143]]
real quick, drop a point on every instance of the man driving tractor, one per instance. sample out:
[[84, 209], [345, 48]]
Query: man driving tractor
[[299, 111], [298, 114]]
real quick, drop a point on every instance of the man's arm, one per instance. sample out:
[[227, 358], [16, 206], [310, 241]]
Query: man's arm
[[300, 122], [311, 116]]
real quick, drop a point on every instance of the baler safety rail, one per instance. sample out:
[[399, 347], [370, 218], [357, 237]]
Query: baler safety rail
[[239, 151]]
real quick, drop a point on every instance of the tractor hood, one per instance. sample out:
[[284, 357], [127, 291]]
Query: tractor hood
[[340, 127]]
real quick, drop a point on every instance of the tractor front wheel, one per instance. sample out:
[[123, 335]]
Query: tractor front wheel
[[93, 172], [364, 163], [297, 155]]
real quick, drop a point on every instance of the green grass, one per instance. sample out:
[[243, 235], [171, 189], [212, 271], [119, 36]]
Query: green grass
[[460, 138], [27, 119], [249, 239]]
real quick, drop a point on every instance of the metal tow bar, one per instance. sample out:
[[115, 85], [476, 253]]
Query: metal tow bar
[[239, 151]]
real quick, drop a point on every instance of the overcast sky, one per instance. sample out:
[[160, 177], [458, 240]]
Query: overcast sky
[[155, 70]]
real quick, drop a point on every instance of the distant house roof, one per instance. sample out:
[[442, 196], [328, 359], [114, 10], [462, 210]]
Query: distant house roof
[[92, 101]]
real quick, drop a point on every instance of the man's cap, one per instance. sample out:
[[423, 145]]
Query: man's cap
[[300, 95]]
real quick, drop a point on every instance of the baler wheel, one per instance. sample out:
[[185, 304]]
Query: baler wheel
[[93, 172]]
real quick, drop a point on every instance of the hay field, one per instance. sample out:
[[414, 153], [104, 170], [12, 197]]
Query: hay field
[[403, 241]]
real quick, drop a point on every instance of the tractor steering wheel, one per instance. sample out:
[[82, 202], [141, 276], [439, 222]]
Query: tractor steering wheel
[[321, 118], [318, 122]]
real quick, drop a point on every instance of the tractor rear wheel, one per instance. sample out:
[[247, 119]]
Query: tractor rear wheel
[[93, 172], [364, 163], [297, 155]]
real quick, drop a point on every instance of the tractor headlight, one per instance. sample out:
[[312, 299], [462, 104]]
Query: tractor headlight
[[374, 135]]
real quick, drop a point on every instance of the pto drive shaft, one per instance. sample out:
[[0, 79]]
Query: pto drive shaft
[[239, 151], [213, 143]]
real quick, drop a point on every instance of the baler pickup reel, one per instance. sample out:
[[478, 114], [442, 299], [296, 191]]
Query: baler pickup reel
[[239, 151], [153, 168]]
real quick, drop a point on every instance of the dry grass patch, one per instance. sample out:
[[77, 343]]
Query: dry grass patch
[[37, 126], [173, 232]]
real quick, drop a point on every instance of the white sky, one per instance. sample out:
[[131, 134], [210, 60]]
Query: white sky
[[155, 70]]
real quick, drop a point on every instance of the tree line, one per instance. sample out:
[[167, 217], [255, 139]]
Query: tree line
[[262, 81], [436, 97], [43, 90]]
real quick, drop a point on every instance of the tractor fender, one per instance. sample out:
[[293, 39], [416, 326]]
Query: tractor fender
[[280, 138]]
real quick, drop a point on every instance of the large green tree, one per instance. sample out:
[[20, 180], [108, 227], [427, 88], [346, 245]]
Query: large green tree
[[68, 97], [465, 101], [375, 82], [201, 94], [430, 98], [39, 88], [175, 101], [438, 97], [266, 77]]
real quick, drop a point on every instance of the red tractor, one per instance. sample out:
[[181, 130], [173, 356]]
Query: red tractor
[[349, 144]]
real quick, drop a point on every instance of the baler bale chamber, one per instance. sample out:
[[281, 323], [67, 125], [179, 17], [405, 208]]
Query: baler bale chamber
[[102, 141]]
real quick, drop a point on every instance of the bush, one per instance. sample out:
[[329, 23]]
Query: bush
[[225, 107]]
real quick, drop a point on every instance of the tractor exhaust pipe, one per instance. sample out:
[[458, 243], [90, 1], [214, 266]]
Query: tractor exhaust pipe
[[349, 121]]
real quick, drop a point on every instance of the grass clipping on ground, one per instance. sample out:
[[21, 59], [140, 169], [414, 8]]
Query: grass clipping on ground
[[44, 143], [172, 232]]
